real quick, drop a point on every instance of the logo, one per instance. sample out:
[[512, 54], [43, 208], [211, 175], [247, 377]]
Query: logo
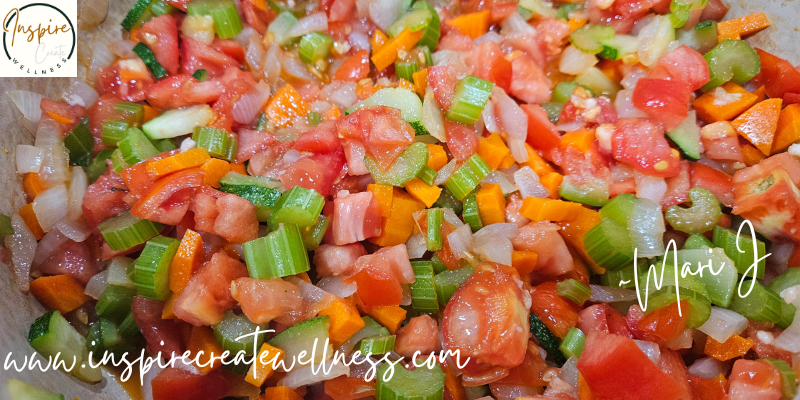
[[39, 39]]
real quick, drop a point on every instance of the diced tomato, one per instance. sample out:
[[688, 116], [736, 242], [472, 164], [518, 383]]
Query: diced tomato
[[321, 139], [382, 130], [208, 294], [663, 101], [554, 310], [161, 35], [666, 323], [543, 239], [529, 373], [621, 15], [725, 148], [602, 317], [180, 384], [355, 68], [420, 334], [251, 142], [340, 10], [472, 325], [169, 198], [197, 55], [678, 187], [356, 217], [754, 380], [237, 83], [462, 141], [263, 300], [489, 64], [237, 221], [706, 389], [614, 367], [183, 90], [349, 387], [453, 39], [501, 11], [331, 260], [354, 153], [162, 335], [442, 79], [104, 198], [716, 182], [101, 110], [542, 134], [376, 288], [66, 115], [777, 75], [126, 79], [180, 4], [138, 180], [72, 258], [256, 17], [683, 64], [643, 146], [528, 82], [315, 172]]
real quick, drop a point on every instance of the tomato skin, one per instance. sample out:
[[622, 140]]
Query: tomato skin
[[376, 288], [554, 310], [528, 82], [542, 238], [251, 142], [263, 300], [161, 35], [678, 187], [542, 134], [196, 55], [420, 334], [72, 258], [382, 130], [603, 318], [168, 200], [183, 90], [716, 182], [104, 198], [178, 384], [706, 389], [443, 81], [147, 314], [462, 141], [683, 64], [110, 80], [663, 101], [642, 145], [356, 217], [321, 139], [665, 323], [754, 380], [777, 75], [331, 260], [489, 64], [474, 325], [316, 172], [208, 294], [615, 368], [354, 69]]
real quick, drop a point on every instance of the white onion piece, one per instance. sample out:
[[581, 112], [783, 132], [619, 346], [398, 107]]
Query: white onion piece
[[77, 231], [512, 120], [789, 339], [490, 36], [495, 249], [27, 103], [340, 93], [607, 294], [650, 187], [446, 171], [654, 39], [304, 376], [272, 64], [723, 323], [460, 241], [243, 38], [51, 206], [293, 67], [632, 77], [250, 104], [81, 94], [406, 300], [55, 160], [255, 53], [432, 117], [683, 341], [335, 285], [651, 350], [77, 188], [317, 22], [624, 105], [147, 380], [97, 285], [101, 55], [528, 183], [507, 230], [575, 62], [416, 245], [488, 118], [23, 247], [451, 217], [48, 246], [500, 178], [515, 24], [118, 272], [646, 226], [384, 12], [91, 14], [123, 48], [29, 159], [358, 41], [454, 59], [518, 149], [708, 368]]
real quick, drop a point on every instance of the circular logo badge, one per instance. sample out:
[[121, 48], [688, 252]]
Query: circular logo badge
[[38, 38]]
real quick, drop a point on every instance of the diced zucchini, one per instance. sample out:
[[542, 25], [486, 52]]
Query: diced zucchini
[[51, 335], [20, 390], [687, 137], [406, 101], [178, 122], [300, 338]]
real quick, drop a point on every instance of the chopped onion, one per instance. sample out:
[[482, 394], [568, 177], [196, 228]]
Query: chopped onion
[[272, 64], [335, 285], [575, 62], [123, 48], [27, 103], [460, 240], [650, 187], [91, 14], [51, 206], [23, 247], [723, 323], [454, 59], [654, 40], [495, 249], [683, 341], [416, 245], [446, 171], [255, 53], [118, 274], [451, 217], [384, 12], [569, 372], [51, 242], [789, 339], [245, 36], [101, 54], [507, 230], [500, 178], [317, 22], [29, 159], [81, 94], [77, 231], [293, 67], [528, 183], [632, 77], [304, 376], [608, 294], [515, 24], [314, 298], [77, 188], [708, 368], [646, 226], [490, 36], [518, 149], [340, 93], [624, 105], [97, 285], [651, 350], [488, 118], [510, 117], [358, 41], [432, 117], [250, 104], [55, 160]]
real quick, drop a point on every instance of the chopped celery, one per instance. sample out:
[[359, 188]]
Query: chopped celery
[[438, 264], [79, 144], [553, 110], [216, 141], [619, 208], [700, 217], [132, 113], [164, 145], [448, 282], [594, 192], [431, 33], [405, 100], [761, 304], [280, 26], [115, 302], [564, 12], [414, 20], [469, 100], [703, 37], [405, 168], [427, 175], [699, 306], [152, 267], [589, 38], [572, 345], [563, 91], [281, 253], [124, 231], [423, 290], [731, 60], [314, 46], [299, 206], [746, 258], [118, 161], [233, 327], [447, 200], [114, 131], [98, 166], [405, 69], [376, 344], [788, 377], [536, 8], [471, 213], [313, 235], [224, 12], [136, 148], [678, 18], [466, 178], [720, 285], [609, 245], [435, 217], [104, 336], [574, 290], [622, 278], [422, 383], [697, 241], [785, 280]]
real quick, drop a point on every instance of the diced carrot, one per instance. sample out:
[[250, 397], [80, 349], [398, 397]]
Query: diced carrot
[[573, 231], [177, 162], [524, 261], [735, 346], [214, 169], [260, 4], [581, 140], [201, 338], [285, 106], [536, 162], [387, 54], [264, 366], [491, 204], [238, 168], [379, 39], [736, 28], [390, 317], [759, 123], [552, 181], [422, 192], [752, 155], [186, 260], [27, 214], [397, 227], [345, 320], [279, 393], [472, 24], [149, 113], [788, 130], [60, 118], [349, 388], [404, 84], [452, 383], [437, 157], [761, 92], [169, 306], [710, 112], [59, 292], [304, 276], [584, 392], [537, 209], [332, 113], [577, 22], [32, 185], [382, 193], [365, 88], [493, 150], [420, 81]]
